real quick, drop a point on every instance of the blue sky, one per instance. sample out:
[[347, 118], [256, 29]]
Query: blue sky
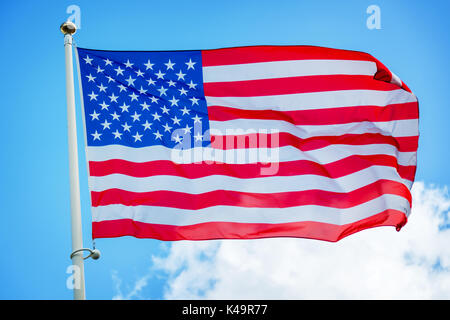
[[35, 227]]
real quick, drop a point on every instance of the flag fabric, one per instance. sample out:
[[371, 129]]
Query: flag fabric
[[246, 142]]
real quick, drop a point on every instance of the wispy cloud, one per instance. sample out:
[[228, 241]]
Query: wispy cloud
[[134, 292], [374, 264]]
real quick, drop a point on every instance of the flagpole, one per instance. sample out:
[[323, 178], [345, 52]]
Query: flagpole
[[68, 28]]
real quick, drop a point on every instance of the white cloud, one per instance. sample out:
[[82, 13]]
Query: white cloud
[[134, 293], [378, 263]]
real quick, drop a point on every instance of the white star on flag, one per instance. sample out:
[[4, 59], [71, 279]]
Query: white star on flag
[[96, 135], [190, 64]]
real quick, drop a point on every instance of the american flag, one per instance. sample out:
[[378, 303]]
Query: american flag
[[246, 142]]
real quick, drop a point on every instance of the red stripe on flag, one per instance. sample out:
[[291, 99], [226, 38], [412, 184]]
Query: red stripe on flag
[[334, 169], [262, 140], [401, 111], [407, 172], [238, 55], [230, 230], [189, 201], [280, 86]]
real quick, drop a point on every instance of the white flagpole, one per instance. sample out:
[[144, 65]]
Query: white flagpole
[[68, 28]]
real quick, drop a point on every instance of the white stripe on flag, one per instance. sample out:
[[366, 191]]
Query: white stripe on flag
[[184, 217], [269, 184], [283, 69], [315, 100], [394, 128], [288, 153]]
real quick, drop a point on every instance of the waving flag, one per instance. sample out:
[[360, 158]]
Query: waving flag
[[247, 142]]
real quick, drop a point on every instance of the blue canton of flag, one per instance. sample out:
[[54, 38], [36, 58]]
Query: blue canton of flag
[[142, 98]]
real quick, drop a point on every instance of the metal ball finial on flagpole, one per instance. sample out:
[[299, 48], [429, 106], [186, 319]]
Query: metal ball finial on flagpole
[[68, 28]]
